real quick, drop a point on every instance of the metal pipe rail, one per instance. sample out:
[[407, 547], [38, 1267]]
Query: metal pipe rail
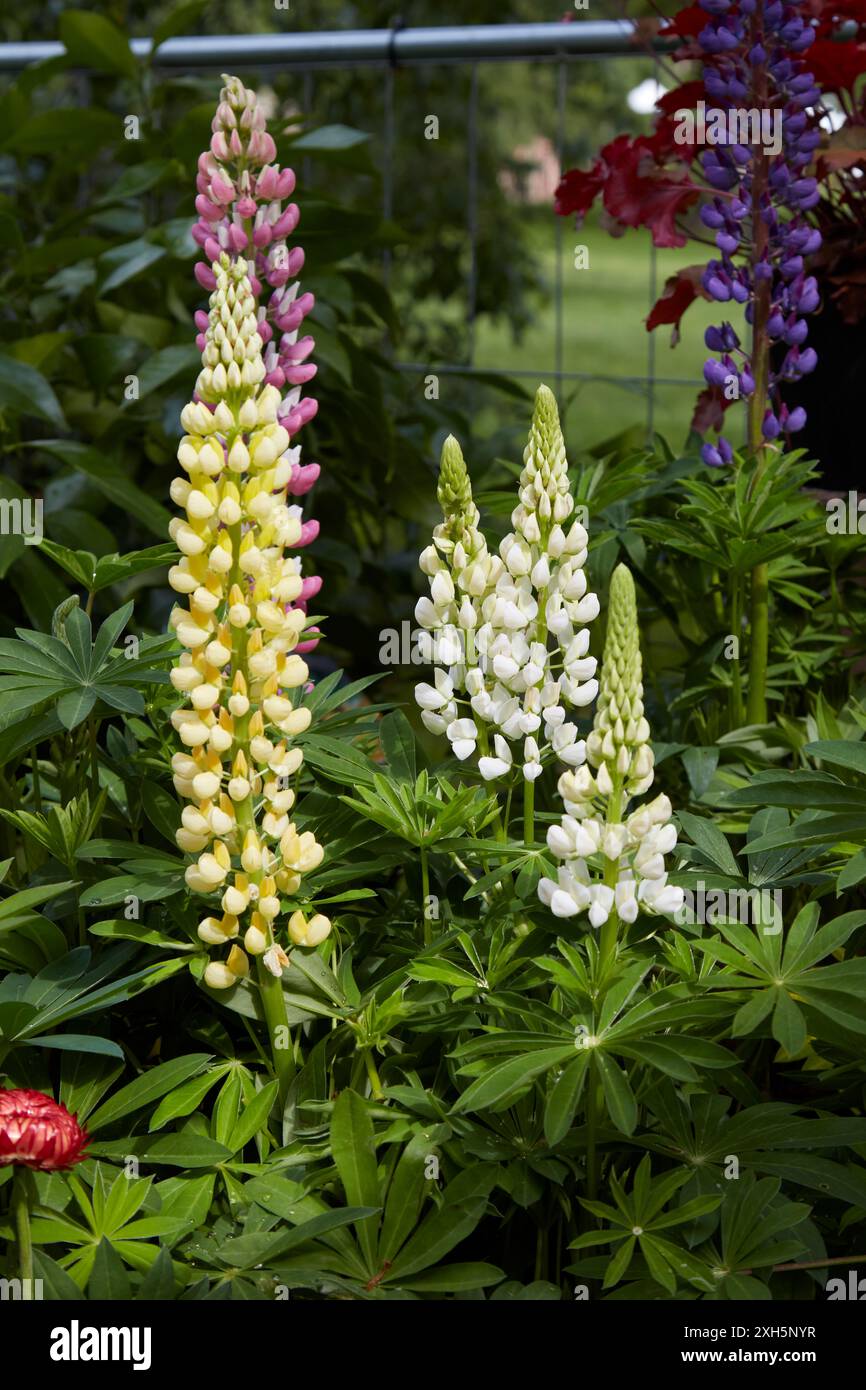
[[447, 43]]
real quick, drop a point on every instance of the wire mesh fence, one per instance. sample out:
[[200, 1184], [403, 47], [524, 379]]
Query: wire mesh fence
[[399, 53]]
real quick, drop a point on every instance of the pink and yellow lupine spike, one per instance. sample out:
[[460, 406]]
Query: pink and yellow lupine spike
[[241, 638]]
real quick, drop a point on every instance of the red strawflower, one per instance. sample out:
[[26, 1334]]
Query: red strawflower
[[38, 1133]]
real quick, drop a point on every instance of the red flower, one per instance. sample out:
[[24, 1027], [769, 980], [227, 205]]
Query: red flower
[[38, 1133]]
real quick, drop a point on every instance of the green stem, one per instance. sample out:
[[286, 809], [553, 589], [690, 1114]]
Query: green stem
[[375, 1083], [484, 747], [21, 1210], [37, 785], [607, 939], [425, 895], [274, 1006], [759, 641], [592, 1118], [528, 812], [609, 930], [736, 700], [94, 756], [503, 829]]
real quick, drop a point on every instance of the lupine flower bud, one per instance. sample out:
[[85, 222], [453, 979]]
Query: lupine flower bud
[[610, 861]]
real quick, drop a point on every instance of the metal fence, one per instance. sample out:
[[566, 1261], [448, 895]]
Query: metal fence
[[564, 45]]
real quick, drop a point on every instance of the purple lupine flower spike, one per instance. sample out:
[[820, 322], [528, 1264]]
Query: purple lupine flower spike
[[753, 50]]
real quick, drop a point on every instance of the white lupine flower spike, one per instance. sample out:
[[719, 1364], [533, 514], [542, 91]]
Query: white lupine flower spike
[[612, 862], [509, 637]]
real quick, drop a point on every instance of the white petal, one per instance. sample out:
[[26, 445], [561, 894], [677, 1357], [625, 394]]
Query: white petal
[[491, 768]]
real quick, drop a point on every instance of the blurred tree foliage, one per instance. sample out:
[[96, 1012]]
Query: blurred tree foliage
[[98, 286]]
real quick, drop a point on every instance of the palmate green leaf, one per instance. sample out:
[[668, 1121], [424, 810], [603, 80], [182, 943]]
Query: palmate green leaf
[[710, 839], [810, 829], [183, 1150], [185, 1098], [20, 696], [73, 709], [840, 753], [788, 1025], [159, 1282], [354, 1152], [398, 745], [108, 1277], [818, 791], [498, 1086], [752, 1014], [464, 1203], [17, 903], [618, 1095], [71, 673], [84, 1079], [76, 1042], [145, 1089], [119, 929], [253, 1118], [564, 1098], [56, 1283], [406, 1193], [456, 1278], [853, 872]]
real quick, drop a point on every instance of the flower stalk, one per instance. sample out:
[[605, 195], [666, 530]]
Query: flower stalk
[[612, 863], [241, 666]]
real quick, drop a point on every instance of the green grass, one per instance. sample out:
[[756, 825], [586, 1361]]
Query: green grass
[[604, 308]]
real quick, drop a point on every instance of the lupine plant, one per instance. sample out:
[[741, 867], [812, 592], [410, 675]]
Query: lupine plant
[[545, 984]]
